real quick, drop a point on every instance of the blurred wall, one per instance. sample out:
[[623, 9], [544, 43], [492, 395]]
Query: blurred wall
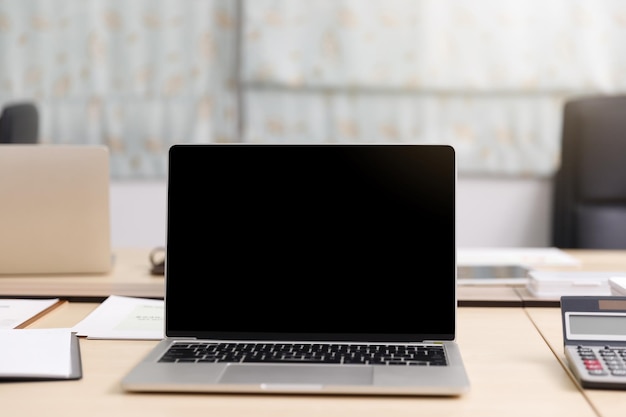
[[491, 212]]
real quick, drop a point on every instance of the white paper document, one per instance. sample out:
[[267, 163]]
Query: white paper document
[[14, 312], [36, 354], [120, 317], [529, 257]]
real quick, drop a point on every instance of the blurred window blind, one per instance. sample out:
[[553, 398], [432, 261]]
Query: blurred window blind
[[486, 76]]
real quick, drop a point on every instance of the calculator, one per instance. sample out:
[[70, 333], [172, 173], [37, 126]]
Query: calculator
[[594, 335]]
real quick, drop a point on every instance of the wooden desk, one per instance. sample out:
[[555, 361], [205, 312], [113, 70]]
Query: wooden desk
[[488, 296], [130, 276], [548, 321], [512, 371]]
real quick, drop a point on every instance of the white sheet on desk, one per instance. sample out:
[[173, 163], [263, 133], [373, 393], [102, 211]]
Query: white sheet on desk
[[120, 317], [531, 257], [14, 312], [35, 353]]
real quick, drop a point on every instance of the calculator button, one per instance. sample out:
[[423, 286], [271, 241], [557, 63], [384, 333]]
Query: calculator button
[[618, 372], [614, 364], [597, 372], [593, 365]]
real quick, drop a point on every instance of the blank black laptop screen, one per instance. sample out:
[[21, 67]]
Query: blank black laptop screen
[[311, 242]]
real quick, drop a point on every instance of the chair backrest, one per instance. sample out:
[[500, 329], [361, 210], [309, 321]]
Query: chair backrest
[[19, 123], [589, 207]]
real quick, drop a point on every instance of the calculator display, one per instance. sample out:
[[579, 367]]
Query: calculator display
[[596, 326]]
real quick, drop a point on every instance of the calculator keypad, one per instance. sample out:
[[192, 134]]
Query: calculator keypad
[[600, 361]]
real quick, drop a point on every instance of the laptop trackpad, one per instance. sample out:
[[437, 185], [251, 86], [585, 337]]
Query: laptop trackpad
[[297, 374]]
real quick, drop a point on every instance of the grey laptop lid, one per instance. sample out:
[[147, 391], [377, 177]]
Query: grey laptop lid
[[55, 209], [314, 243]]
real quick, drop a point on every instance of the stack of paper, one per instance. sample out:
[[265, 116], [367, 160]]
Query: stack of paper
[[554, 284]]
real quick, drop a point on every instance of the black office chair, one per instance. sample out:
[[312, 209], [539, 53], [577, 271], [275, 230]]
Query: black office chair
[[589, 206], [19, 123]]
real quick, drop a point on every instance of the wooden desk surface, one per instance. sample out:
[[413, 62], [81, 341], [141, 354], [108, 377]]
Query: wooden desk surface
[[488, 296], [130, 277], [548, 321], [512, 371]]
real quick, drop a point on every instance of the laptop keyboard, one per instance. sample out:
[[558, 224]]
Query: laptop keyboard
[[424, 355]]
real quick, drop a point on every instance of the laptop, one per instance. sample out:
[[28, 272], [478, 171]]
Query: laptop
[[55, 209], [309, 269]]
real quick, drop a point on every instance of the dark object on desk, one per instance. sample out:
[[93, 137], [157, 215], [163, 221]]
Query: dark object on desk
[[19, 123], [589, 206], [157, 261]]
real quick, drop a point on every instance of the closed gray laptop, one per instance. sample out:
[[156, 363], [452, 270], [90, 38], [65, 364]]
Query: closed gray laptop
[[54, 213], [316, 269]]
